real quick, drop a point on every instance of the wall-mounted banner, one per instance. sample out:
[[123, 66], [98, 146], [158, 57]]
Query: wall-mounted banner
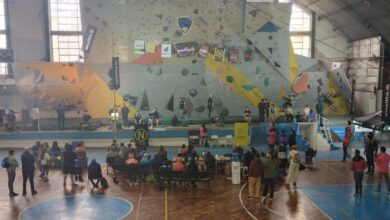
[[141, 135], [219, 54], [233, 55], [193, 138], [150, 47], [166, 50], [7, 55], [203, 51], [241, 134], [184, 24], [89, 36], [139, 47], [186, 49]]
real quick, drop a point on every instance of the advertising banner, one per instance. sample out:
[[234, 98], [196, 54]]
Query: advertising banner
[[193, 138], [241, 136], [141, 135]]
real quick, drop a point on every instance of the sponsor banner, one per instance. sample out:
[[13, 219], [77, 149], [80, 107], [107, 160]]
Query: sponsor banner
[[219, 54], [166, 50], [88, 38], [233, 55], [150, 47], [186, 49], [139, 47], [141, 135], [241, 136], [193, 137], [203, 51]]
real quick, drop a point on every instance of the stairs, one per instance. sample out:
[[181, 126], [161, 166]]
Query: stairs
[[326, 134]]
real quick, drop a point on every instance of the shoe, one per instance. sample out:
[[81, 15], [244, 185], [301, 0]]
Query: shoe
[[34, 192], [24, 193], [74, 184], [13, 194], [250, 197]]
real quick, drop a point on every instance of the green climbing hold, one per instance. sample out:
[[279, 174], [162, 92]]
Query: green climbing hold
[[229, 79], [248, 87]]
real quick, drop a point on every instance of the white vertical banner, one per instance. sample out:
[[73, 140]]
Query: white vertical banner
[[166, 50], [139, 47]]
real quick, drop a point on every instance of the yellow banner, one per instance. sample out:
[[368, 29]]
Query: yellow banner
[[241, 134]]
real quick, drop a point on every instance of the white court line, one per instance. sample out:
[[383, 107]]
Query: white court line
[[315, 205], [173, 197], [139, 201], [242, 204], [337, 172]]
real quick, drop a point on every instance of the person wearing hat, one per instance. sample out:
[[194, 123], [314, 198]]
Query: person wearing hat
[[28, 169], [11, 165], [358, 165]]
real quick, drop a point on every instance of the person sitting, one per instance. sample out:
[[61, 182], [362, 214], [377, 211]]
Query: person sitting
[[178, 165], [165, 174], [111, 158], [144, 166], [155, 118], [182, 151], [81, 153], [85, 121], [174, 121], [191, 172], [209, 160], [247, 116], [312, 116], [132, 165], [137, 118], [162, 153], [191, 153], [94, 173], [299, 117]]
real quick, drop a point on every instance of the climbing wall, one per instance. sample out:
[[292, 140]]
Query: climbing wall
[[235, 52]]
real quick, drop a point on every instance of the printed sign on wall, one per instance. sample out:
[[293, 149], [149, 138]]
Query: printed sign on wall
[[139, 47], [219, 54], [166, 50], [141, 135], [89, 36], [186, 49]]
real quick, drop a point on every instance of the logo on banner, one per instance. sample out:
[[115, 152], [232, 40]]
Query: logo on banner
[[141, 135], [184, 24], [166, 50]]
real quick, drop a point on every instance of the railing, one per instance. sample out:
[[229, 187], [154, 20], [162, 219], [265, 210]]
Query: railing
[[325, 127]]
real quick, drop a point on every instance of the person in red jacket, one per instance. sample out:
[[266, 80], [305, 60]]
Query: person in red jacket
[[382, 167], [256, 171], [347, 136], [358, 165]]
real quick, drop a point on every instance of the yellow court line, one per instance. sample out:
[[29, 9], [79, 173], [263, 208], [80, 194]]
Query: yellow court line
[[166, 204]]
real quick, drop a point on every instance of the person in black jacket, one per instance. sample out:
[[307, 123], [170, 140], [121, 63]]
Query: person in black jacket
[[28, 169], [68, 157], [94, 173], [191, 171]]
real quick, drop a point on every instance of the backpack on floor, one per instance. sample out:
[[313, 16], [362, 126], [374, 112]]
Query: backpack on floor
[[103, 183], [5, 163]]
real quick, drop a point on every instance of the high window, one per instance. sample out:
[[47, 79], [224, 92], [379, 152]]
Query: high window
[[300, 30], [3, 36], [65, 31]]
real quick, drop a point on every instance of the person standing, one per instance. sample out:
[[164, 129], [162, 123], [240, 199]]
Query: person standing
[[291, 138], [306, 111], [260, 106], [347, 136], [28, 169], [10, 164], [293, 170], [61, 116], [382, 164], [269, 175], [203, 135], [125, 115], [69, 158], [256, 171], [44, 158], [35, 117], [271, 137], [320, 109], [370, 150], [358, 165], [210, 105]]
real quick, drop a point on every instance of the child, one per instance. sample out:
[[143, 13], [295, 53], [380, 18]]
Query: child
[[357, 166]]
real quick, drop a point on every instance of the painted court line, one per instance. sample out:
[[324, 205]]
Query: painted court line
[[242, 204], [337, 172], [315, 205], [139, 201], [166, 204]]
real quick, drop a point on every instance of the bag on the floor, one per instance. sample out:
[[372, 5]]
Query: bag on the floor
[[150, 178], [301, 166], [103, 183], [5, 163]]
